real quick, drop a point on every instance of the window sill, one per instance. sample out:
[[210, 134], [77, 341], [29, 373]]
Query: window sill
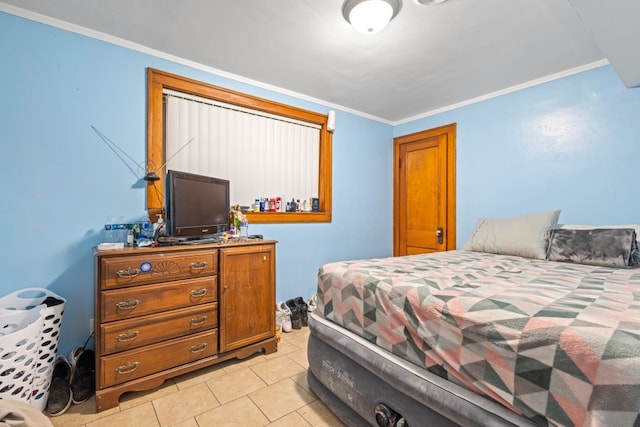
[[287, 217]]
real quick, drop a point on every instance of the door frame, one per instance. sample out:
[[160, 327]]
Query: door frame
[[450, 132]]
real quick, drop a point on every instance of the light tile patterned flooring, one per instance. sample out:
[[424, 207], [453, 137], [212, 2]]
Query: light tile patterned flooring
[[269, 390]]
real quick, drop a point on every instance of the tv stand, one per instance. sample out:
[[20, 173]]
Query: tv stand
[[170, 241], [201, 241], [166, 311]]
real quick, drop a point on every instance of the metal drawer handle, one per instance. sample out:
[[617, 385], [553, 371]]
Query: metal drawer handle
[[198, 265], [128, 304], [128, 273], [128, 336], [198, 321], [198, 348], [196, 293], [128, 368]]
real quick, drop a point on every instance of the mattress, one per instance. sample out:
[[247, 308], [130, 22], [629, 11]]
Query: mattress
[[356, 379], [558, 343]]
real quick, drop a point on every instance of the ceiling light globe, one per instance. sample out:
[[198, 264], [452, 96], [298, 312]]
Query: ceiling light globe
[[429, 2], [371, 16]]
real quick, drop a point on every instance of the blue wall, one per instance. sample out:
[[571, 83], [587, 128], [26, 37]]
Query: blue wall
[[60, 181], [572, 144]]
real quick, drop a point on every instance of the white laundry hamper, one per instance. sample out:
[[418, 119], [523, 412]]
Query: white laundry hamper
[[29, 326]]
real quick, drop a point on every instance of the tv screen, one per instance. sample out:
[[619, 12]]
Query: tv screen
[[196, 205]]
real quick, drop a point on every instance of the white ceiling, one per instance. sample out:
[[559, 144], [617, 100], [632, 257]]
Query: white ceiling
[[427, 59]]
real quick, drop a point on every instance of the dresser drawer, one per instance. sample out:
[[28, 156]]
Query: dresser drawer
[[117, 272], [126, 303], [129, 365], [133, 333]]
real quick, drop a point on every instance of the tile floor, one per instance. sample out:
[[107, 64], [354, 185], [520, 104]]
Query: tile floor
[[262, 390]]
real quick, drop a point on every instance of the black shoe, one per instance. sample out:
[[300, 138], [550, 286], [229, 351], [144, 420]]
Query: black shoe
[[60, 389], [304, 310], [296, 316], [83, 380], [52, 301]]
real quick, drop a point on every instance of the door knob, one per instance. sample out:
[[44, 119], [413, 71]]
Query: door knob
[[440, 235]]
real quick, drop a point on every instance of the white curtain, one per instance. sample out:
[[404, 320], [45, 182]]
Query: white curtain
[[261, 154]]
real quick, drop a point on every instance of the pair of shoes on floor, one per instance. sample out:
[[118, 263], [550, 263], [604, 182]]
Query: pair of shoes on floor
[[83, 375], [72, 380], [299, 312], [283, 316], [60, 389]]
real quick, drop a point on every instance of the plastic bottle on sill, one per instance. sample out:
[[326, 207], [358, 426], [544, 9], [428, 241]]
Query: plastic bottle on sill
[[121, 230], [109, 236], [130, 237]]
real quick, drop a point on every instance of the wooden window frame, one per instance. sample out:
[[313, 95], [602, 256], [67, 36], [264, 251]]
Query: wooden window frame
[[158, 80]]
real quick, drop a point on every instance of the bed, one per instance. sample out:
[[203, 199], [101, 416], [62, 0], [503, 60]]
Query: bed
[[474, 338]]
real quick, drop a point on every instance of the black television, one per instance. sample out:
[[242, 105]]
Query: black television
[[196, 205]]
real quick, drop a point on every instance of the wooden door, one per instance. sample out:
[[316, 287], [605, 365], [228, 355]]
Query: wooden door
[[424, 191], [247, 295]]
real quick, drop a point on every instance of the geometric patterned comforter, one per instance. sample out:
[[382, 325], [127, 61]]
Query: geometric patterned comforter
[[558, 343]]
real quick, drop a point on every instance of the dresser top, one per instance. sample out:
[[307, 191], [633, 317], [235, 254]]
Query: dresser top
[[232, 243]]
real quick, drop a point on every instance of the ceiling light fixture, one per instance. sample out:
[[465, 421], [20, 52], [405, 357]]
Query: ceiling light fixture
[[429, 2], [370, 16]]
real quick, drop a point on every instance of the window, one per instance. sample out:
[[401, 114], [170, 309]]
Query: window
[[160, 153], [277, 156]]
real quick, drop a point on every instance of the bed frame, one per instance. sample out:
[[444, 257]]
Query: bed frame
[[365, 385]]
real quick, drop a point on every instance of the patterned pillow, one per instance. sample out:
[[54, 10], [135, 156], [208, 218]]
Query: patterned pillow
[[607, 247]]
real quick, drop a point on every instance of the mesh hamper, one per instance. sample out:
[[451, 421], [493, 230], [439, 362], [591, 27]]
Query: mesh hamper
[[19, 344], [26, 300]]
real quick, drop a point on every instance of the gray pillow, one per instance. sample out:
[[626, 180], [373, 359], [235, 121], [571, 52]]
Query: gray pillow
[[524, 235], [591, 227], [607, 247]]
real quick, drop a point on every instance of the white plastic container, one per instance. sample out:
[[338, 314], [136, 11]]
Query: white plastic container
[[20, 332], [25, 302]]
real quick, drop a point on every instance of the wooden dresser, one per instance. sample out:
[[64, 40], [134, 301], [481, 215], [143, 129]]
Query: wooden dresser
[[162, 312]]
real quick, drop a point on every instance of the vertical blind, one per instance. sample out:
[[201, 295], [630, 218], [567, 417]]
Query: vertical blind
[[261, 154]]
